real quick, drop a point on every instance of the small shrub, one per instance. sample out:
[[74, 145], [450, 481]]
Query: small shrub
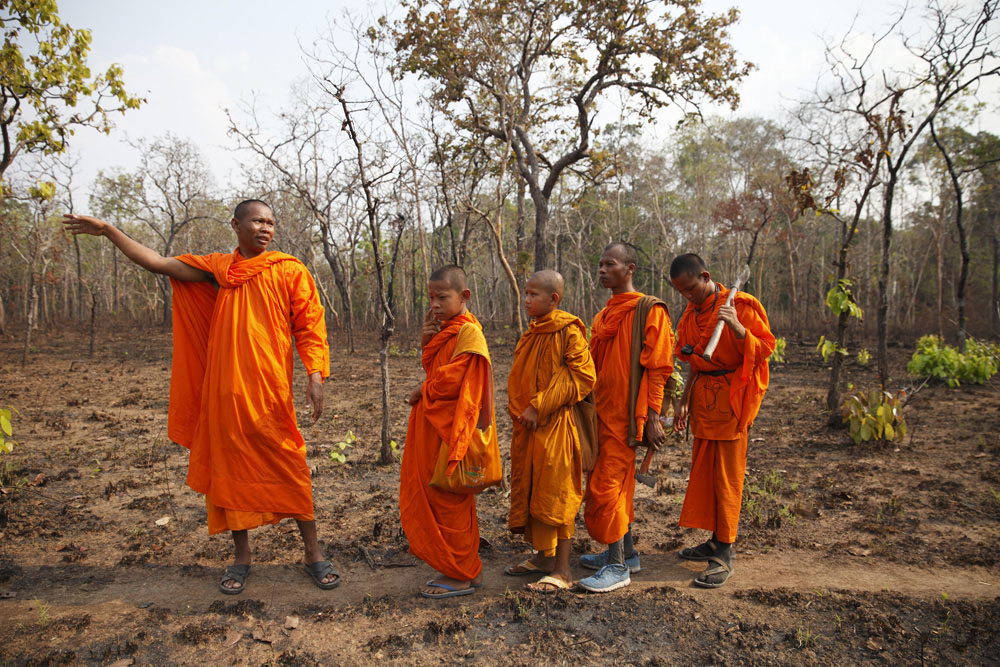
[[338, 454], [936, 361], [778, 356], [864, 356], [875, 416], [827, 348]]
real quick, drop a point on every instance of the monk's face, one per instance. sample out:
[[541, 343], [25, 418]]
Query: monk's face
[[538, 301], [695, 287], [613, 270], [254, 230], [446, 301]]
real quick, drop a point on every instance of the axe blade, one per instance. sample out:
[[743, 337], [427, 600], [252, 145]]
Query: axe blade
[[648, 480]]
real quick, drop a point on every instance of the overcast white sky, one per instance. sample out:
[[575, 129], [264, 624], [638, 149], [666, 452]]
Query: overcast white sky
[[191, 60]]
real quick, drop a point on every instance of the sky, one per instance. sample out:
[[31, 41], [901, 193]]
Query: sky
[[192, 60]]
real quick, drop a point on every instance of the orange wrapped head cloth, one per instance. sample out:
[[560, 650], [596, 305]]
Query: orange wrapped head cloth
[[552, 370], [723, 398], [608, 505], [454, 400]]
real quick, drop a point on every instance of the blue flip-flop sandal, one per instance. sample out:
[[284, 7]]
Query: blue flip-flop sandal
[[449, 591]]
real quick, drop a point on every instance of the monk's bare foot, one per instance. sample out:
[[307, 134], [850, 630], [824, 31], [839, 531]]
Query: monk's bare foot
[[235, 583], [443, 583], [540, 563]]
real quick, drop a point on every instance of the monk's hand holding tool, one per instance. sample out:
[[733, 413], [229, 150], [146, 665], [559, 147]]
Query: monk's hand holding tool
[[430, 327], [727, 314], [314, 394], [415, 395], [529, 418], [654, 431]]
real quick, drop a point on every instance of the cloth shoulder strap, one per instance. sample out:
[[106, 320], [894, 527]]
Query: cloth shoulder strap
[[642, 310]]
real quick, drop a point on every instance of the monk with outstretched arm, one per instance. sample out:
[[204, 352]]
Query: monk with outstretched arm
[[237, 318]]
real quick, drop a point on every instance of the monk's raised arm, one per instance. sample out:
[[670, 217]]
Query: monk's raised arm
[[145, 257]]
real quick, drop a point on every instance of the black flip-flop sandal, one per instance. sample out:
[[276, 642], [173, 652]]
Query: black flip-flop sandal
[[702, 552], [721, 567], [237, 573], [319, 570]]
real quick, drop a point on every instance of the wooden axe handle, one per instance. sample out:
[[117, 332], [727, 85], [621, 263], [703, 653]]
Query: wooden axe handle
[[717, 334], [644, 468]]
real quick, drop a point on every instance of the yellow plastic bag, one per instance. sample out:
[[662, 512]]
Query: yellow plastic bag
[[481, 468]]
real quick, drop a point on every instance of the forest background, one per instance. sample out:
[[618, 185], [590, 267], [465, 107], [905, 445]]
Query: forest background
[[512, 136]]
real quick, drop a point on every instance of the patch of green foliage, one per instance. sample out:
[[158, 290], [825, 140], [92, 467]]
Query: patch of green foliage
[[840, 299], [828, 348], [6, 431], [778, 356], [875, 415], [864, 356], [338, 455], [936, 361]]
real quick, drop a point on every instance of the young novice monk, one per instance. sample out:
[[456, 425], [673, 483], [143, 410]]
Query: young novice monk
[[552, 370], [723, 397], [455, 399], [611, 485], [236, 317]]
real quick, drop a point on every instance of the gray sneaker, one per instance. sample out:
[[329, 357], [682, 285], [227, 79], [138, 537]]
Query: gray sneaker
[[597, 561], [608, 578]]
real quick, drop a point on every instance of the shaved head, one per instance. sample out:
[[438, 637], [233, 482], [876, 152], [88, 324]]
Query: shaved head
[[688, 264], [453, 275], [548, 280], [244, 206], [624, 251]]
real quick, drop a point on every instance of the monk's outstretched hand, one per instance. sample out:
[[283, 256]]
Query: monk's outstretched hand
[[314, 395], [430, 327], [84, 224]]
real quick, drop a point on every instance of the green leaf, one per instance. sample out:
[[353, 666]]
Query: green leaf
[[5, 422]]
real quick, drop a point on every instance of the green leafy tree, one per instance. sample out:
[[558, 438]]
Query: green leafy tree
[[533, 73], [46, 88]]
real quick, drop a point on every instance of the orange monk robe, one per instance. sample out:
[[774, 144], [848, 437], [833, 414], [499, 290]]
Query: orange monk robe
[[552, 370], [722, 408], [611, 485], [456, 398], [231, 397]]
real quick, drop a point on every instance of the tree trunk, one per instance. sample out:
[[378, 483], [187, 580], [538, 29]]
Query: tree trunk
[[883, 283], [543, 258], [30, 319], [995, 303]]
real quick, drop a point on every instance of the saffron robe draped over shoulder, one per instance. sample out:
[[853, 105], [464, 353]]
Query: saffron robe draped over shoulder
[[552, 370], [722, 408], [231, 400], [455, 398], [611, 485]]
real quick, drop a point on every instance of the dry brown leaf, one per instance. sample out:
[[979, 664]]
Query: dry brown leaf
[[291, 622], [163, 521], [874, 644], [261, 634], [233, 636], [859, 551]]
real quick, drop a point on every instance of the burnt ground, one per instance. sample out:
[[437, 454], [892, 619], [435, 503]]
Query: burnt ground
[[848, 553]]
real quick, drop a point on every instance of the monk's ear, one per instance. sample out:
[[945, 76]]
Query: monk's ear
[[466, 294], [556, 298], [234, 223], [706, 276]]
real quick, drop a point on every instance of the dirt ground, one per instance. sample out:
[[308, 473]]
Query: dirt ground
[[847, 554]]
